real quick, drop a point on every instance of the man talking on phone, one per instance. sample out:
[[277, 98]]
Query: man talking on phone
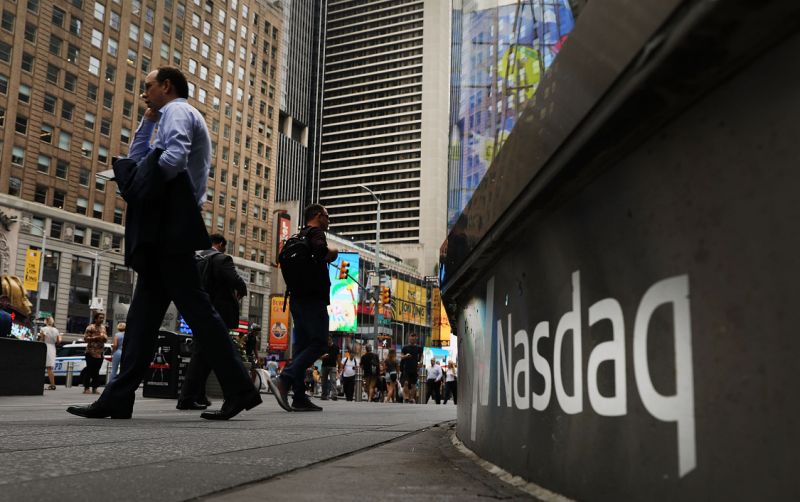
[[164, 182]]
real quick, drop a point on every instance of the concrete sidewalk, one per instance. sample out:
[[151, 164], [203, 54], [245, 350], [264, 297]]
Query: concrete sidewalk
[[165, 454]]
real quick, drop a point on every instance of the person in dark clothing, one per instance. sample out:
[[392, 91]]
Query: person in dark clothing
[[164, 180], [309, 309], [5, 318], [369, 365], [410, 362], [330, 370], [226, 289], [252, 343]]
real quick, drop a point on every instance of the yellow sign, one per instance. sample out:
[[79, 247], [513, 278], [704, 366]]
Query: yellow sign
[[278, 324], [409, 302], [441, 324], [32, 269]]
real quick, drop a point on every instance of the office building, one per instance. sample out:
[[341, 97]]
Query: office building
[[385, 124], [70, 77]]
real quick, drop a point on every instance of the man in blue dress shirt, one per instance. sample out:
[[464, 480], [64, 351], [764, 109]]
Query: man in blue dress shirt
[[169, 274]]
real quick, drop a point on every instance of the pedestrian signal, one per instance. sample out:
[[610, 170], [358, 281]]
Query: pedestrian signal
[[344, 269]]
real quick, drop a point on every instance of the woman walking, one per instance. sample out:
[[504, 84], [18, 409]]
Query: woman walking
[[391, 366], [116, 348], [95, 338], [349, 366], [451, 383], [50, 336]]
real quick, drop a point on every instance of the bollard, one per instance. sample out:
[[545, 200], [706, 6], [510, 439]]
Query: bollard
[[68, 382], [423, 385], [359, 384]]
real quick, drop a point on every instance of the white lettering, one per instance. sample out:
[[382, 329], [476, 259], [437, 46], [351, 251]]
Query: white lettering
[[680, 407], [540, 401], [521, 399], [612, 350], [570, 321], [503, 360]]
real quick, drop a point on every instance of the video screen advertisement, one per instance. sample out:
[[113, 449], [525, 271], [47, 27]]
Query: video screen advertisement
[[344, 293]]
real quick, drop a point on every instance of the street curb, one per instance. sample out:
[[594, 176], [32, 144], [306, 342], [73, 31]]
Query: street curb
[[517, 482]]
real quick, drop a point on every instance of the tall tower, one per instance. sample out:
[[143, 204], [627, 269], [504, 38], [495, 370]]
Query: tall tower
[[385, 124]]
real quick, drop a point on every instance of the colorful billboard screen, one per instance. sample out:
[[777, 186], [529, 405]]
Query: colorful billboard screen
[[344, 293], [278, 324]]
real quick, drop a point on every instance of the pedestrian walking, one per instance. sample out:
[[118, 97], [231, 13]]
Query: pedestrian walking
[[225, 288], [349, 366], [5, 317], [164, 185], [116, 350], [392, 366], [95, 337], [369, 368], [50, 336], [434, 383], [451, 383], [411, 360], [329, 370], [309, 309]]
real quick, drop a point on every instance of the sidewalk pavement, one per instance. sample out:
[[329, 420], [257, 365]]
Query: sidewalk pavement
[[164, 454]]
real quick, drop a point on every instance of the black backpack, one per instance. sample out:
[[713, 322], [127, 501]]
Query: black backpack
[[205, 268], [297, 262]]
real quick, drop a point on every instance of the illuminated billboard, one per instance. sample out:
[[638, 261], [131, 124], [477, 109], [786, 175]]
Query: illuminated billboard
[[409, 302], [344, 293]]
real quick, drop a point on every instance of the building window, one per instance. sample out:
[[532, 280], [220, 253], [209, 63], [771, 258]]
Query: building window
[[111, 73], [125, 135], [56, 228], [50, 104], [75, 26], [30, 33], [66, 110], [3, 84], [40, 194], [94, 66], [102, 155], [8, 20], [21, 124], [64, 140], [33, 6], [59, 198], [105, 127], [73, 52], [108, 99], [88, 120], [94, 239], [27, 62], [81, 206], [114, 20], [87, 149], [97, 211], [17, 155], [70, 82], [80, 265], [97, 38], [99, 184], [116, 242], [91, 92], [58, 17], [46, 133], [62, 169], [14, 186], [83, 177], [43, 164], [5, 52], [55, 45], [118, 215], [99, 11], [24, 93]]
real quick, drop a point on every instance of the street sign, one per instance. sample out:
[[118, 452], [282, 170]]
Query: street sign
[[97, 303]]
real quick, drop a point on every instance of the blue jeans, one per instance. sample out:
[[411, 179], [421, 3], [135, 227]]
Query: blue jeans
[[114, 365], [310, 319]]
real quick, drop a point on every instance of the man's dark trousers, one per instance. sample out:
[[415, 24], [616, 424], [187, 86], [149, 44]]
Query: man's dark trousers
[[310, 319], [173, 277], [433, 390]]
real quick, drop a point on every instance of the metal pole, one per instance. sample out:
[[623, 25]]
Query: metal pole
[[68, 382], [41, 271], [359, 384], [96, 271], [377, 286]]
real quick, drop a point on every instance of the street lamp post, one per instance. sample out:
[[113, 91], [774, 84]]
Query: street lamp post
[[377, 256], [96, 271], [41, 268]]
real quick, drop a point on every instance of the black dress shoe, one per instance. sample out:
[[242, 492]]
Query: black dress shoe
[[305, 405], [204, 401], [280, 391], [189, 405], [98, 410], [232, 407]]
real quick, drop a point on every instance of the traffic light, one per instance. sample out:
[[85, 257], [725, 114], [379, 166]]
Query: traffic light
[[386, 295], [344, 269]]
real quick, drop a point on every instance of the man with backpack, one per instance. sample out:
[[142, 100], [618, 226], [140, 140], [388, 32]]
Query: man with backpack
[[225, 288], [369, 364], [304, 262]]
